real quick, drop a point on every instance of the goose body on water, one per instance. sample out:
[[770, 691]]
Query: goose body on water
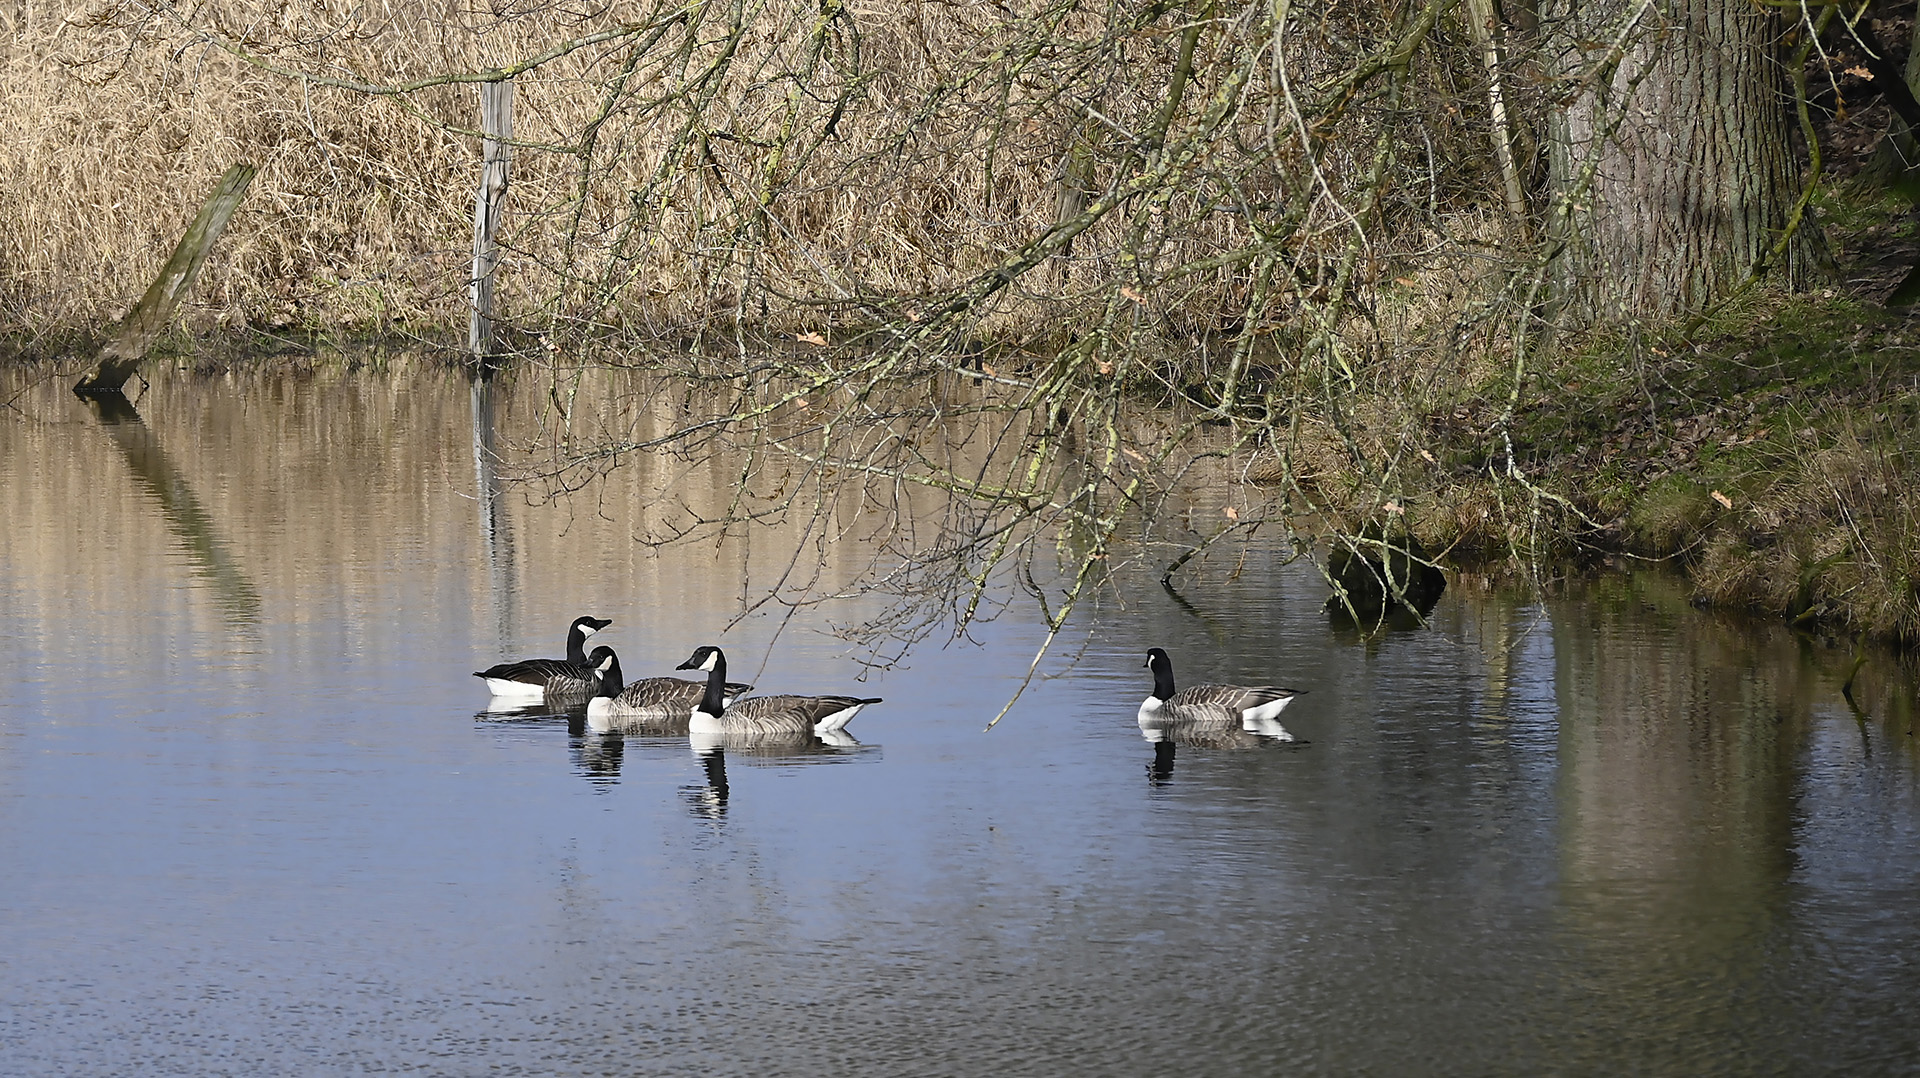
[[819, 715], [534, 680], [650, 703], [1254, 708]]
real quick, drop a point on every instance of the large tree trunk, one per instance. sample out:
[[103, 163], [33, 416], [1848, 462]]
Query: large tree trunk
[[1673, 165]]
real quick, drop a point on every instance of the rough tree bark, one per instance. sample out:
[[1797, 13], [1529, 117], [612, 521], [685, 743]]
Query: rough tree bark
[[1671, 156]]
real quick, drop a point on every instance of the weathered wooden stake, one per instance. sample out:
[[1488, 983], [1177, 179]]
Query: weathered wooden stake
[[496, 122], [135, 334]]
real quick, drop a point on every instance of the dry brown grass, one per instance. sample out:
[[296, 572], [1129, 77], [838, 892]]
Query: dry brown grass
[[777, 162]]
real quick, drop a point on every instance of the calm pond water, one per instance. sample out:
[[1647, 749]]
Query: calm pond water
[[254, 818]]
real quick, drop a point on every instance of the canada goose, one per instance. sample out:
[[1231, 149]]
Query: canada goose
[[763, 714], [645, 704], [539, 679], [1254, 708]]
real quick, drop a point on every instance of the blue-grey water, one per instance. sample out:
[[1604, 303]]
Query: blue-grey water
[[255, 818]]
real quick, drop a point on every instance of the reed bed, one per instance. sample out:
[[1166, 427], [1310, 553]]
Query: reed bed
[[800, 166]]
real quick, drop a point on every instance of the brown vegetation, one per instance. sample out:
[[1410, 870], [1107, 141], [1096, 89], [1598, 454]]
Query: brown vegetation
[[798, 165], [1329, 232]]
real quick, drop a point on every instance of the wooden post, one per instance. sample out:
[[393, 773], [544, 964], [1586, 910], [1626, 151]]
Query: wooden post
[[135, 334], [496, 122]]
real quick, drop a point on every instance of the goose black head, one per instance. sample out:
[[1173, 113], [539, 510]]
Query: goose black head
[[582, 628], [606, 667], [704, 657]]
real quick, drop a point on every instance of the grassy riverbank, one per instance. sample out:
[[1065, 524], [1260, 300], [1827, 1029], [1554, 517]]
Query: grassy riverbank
[[1774, 458]]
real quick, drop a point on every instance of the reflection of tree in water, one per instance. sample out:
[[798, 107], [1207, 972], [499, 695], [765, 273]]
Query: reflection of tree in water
[[496, 536], [1677, 787], [207, 550]]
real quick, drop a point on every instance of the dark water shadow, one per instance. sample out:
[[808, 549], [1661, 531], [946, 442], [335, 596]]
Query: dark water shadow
[[1371, 623], [207, 550], [1375, 592]]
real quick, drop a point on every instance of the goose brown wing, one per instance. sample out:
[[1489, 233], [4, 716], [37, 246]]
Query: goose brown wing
[[548, 672], [670, 694], [1236, 697], [1194, 712], [663, 694], [771, 714]]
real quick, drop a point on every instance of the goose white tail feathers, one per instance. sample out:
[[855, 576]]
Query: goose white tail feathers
[[534, 680], [818, 715], [1255, 708]]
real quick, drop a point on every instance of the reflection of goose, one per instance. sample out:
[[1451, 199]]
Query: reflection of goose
[[1160, 771], [710, 801], [1224, 734], [1192, 711], [772, 745], [597, 759], [538, 679], [763, 714], [712, 748], [650, 705]]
